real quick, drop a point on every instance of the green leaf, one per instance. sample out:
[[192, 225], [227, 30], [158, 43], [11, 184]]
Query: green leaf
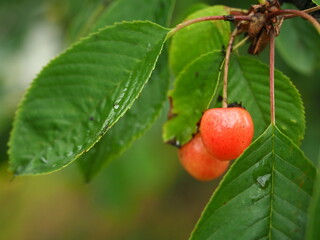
[[185, 10], [131, 126], [313, 230], [147, 107], [198, 39], [158, 11], [316, 2], [249, 84], [300, 51], [143, 113], [265, 194], [81, 16], [93, 15], [81, 94], [192, 93]]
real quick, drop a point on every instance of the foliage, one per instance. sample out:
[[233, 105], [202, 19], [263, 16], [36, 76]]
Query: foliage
[[96, 98], [147, 107], [62, 111], [197, 77], [270, 187]]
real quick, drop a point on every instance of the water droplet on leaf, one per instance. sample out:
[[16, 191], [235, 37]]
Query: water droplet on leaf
[[69, 154], [263, 180], [44, 160]]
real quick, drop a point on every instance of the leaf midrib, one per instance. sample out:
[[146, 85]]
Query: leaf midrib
[[272, 193], [272, 184]]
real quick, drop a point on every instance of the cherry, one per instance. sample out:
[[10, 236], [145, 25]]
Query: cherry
[[226, 132], [198, 162]]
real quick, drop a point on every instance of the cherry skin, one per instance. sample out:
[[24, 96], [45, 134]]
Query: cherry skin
[[226, 132], [198, 162]]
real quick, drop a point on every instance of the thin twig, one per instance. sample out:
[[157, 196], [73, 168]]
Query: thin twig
[[309, 10], [238, 11], [226, 69], [313, 9], [293, 13], [243, 41], [229, 18], [271, 75]]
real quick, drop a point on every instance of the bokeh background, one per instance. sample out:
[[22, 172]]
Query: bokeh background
[[145, 194]]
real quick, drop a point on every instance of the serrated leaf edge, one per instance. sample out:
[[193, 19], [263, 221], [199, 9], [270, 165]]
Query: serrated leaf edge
[[181, 73], [27, 92], [274, 128], [300, 101]]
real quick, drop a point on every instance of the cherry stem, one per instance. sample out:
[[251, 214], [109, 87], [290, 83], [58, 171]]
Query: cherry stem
[[313, 9], [271, 73], [229, 18], [226, 69], [293, 13]]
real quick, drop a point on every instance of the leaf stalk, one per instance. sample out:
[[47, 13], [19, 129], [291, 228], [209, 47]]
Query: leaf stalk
[[226, 69], [271, 74]]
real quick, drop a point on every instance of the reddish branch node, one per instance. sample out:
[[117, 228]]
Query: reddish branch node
[[257, 22]]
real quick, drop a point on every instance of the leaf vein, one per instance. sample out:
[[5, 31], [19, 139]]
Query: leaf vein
[[293, 183], [302, 211], [287, 219], [246, 170], [280, 231]]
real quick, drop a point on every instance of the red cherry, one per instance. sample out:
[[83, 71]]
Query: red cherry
[[198, 162], [226, 132]]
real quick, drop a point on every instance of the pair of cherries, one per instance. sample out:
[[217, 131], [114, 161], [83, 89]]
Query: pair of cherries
[[224, 134]]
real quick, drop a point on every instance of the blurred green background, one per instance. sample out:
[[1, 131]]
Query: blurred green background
[[145, 194]]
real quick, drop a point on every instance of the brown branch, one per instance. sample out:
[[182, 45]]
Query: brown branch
[[229, 18], [293, 13]]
